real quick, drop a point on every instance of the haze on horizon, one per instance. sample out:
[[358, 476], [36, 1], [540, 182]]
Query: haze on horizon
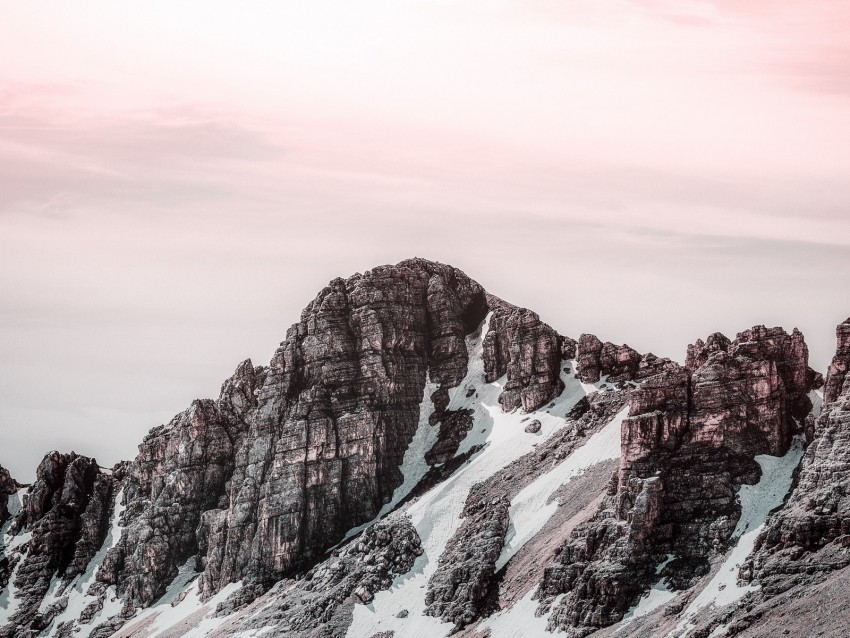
[[180, 179]]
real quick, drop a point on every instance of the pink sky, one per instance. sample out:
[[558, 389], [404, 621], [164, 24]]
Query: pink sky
[[179, 179]]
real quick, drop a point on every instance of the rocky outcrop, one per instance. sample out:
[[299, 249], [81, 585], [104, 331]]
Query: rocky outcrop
[[8, 486], [58, 512], [837, 374], [320, 604], [658, 419], [617, 363], [817, 513], [529, 352], [94, 523], [753, 396], [588, 358], [687, 446], [458, 588], [700, 351], [182, 471]]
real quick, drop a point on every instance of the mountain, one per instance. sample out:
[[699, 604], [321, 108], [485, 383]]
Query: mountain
[[421, 458]]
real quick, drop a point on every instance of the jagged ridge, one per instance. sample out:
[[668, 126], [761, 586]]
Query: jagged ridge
[[257, 485]]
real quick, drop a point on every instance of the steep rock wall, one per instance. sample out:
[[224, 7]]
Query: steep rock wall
[[687, 446]]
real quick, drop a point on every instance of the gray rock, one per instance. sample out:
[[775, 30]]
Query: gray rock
[[688, 445], [528, 351], [322, 599], [62, 512], [533, 427]]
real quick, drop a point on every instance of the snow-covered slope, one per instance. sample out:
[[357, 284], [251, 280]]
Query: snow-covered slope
[[436, 513], [422, 459]]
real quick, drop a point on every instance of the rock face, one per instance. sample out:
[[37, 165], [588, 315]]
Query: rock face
[[8, 486], [837, 374], [63, 513], [529, 352], [260, 482], [687, 446], [617, 363], [797, 540]]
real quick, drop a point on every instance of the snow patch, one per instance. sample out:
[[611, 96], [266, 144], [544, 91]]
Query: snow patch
[[13, 543], [658, 595], [14, 505], [181, 605], [9, 601], [816, 397], [519, 620], [532, 508], [413, 466]]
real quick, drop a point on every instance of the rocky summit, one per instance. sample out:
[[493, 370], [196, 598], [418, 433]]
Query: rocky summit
[[421, 458]]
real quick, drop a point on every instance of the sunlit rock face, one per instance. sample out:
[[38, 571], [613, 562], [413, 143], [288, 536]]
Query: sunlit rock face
[[529, 352]]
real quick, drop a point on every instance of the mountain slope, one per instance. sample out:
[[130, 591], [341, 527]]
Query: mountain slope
[[421, 458]]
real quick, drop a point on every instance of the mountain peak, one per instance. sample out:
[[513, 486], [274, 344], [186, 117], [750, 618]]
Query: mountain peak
[[422, 457]]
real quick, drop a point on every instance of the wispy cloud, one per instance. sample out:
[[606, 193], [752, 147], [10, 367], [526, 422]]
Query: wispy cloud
[[179, 179]]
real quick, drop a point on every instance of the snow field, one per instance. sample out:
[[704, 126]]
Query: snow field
[[181, 604], [532, 508], [436, 513], [519, 621]]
